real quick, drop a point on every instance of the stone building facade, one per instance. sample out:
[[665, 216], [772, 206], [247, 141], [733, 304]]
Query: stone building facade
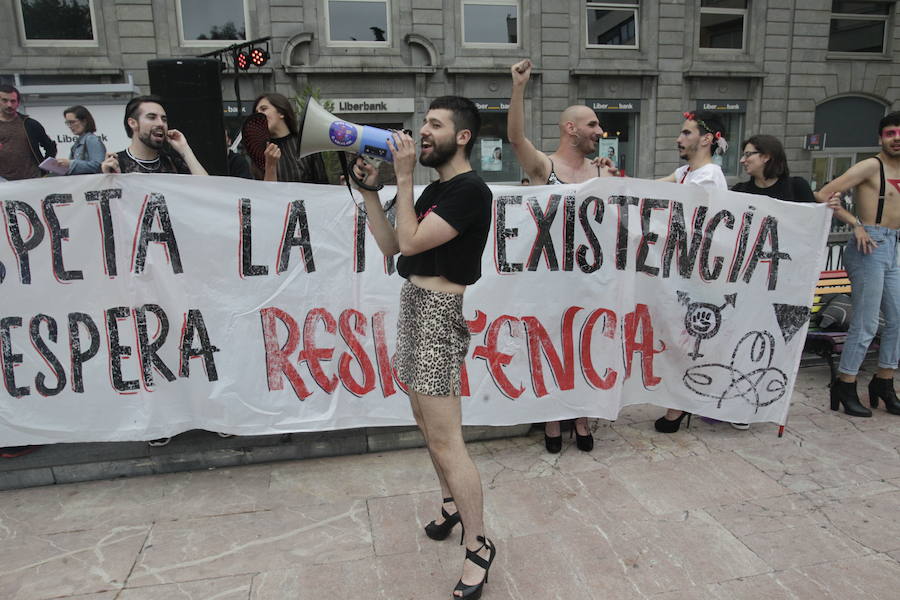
[[790, 68]]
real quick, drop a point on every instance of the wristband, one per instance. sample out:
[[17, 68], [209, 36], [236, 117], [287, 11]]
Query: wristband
[[858, 223]]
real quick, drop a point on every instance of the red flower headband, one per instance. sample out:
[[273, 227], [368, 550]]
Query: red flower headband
[[721, 142]]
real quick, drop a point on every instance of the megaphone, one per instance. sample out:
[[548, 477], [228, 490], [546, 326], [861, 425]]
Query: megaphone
[[321, 131]]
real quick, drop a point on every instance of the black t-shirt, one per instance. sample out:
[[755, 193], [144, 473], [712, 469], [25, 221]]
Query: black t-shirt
[[465, 203], [792, 189], [168, 163]]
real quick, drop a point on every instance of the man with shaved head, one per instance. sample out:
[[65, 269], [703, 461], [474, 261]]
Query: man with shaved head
[[579, 132]]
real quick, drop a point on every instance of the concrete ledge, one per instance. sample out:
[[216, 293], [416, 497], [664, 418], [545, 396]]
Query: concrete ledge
[[200, 450]]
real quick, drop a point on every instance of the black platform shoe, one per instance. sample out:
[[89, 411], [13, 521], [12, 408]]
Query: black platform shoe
[[844, 392], [440, 532], [585, 443], [664, 425], [554, 443], [884, 389], [473, 592]]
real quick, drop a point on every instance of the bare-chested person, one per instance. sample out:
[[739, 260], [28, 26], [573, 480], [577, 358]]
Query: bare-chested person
[[870, 259], [579, 132]]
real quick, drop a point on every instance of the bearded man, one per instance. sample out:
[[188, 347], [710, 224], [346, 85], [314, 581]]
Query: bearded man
[[154, 147]]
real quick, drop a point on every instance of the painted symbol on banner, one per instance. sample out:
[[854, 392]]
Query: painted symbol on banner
[[702, 320], [791, 318], [342, 133], [749, 376]]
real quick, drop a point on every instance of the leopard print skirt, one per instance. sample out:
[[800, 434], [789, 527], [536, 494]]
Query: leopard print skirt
[[432, 341]]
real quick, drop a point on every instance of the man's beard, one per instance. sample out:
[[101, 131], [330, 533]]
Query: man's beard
[[439, 155], [148, 141], [686, 152], [586, 145]]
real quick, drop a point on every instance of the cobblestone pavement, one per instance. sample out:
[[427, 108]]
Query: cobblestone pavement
[[706, 513]]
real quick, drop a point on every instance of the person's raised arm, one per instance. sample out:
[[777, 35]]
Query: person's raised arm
[[533, 161], [180, 144]]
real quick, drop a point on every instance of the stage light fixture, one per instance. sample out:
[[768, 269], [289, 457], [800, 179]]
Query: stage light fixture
[[259, 57], [242, 60]]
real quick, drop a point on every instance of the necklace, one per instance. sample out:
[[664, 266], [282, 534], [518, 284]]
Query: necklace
[[144, 164]]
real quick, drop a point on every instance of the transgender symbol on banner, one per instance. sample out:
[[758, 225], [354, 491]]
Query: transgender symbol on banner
[[702, 320]]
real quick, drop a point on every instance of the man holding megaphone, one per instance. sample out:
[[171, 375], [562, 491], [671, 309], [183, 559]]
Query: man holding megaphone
[[441, 238]]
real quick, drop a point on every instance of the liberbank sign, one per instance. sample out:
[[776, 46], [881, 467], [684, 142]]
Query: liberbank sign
[[371, 105]]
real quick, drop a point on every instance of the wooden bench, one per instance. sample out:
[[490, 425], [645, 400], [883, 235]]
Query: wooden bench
[[827, 344]]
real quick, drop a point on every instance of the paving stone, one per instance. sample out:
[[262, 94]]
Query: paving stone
[[673, 485], [65, 564], [252, 542]]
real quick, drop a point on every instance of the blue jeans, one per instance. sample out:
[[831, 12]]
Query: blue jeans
[[875, 280]]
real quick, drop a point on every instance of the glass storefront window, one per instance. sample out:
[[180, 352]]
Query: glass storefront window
[[58, 22], [493, 157], [620, 140], [490, 22], [205, 22], [358, 22], [612, 23], [722, 24]]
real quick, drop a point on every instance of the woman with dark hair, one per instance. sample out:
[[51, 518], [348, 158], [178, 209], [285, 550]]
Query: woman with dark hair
[[764, 161], [88, 151], [283, 162]]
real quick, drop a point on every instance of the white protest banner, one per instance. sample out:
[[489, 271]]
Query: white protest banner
[[140, 306]]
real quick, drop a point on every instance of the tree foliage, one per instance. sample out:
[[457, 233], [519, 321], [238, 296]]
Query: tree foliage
[[57, 19], [228, 31]]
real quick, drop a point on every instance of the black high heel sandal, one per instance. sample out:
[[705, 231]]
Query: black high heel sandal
[[440, 532], [664, 425], [473, 592], [585, 443]]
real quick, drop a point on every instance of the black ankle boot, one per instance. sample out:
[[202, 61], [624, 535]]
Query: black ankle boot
[[884, 389], [843, 392]]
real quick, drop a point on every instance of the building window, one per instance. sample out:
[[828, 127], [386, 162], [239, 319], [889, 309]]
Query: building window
[[57, 22], [612, 23], [490, 22], [358, 22], [207, 22], [858, 26], [722, 24]]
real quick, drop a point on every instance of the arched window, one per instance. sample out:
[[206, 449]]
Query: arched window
[[849, 122]]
